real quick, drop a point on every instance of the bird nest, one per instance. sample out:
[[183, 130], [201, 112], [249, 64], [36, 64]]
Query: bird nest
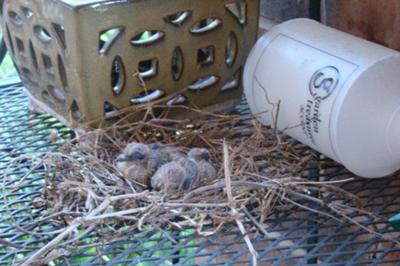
[[257, 170]]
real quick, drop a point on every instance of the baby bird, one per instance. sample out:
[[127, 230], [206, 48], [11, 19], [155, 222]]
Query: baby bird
[[175, 176], [202, 157], [162, 154], [139, 161], [134, 163], [192, 173], [169, 177], [184, 174]]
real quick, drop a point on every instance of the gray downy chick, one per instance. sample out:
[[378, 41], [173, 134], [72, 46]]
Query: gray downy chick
[[162, 154], [192, 173], [185, 174], [176, 176], [134, 163], [206, 171], [169, 178]]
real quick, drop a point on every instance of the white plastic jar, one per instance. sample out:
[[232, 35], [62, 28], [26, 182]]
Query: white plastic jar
[[337, 93]]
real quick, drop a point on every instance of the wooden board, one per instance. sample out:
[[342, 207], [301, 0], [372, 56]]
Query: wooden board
[[377, 21]]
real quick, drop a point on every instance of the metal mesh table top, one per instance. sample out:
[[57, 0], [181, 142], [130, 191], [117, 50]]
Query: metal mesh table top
[[298, 237]]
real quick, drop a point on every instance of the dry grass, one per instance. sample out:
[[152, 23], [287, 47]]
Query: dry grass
[[258, 170]]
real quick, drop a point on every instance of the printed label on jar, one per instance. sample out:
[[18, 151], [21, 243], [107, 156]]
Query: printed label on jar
[[305, 80], [322, 84]]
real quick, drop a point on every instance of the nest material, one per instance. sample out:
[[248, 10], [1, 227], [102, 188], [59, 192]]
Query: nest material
[[258, 170]]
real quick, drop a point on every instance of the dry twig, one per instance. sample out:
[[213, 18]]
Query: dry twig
[[260, 170]]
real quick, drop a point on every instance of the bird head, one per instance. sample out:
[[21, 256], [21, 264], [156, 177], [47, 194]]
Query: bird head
[[135, 153], [155, 146], [199, 154]]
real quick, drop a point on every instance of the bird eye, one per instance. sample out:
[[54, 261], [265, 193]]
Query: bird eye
[[137, 156], [154, 146]]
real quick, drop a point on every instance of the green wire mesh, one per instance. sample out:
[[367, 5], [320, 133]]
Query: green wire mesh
[[298, 237]]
